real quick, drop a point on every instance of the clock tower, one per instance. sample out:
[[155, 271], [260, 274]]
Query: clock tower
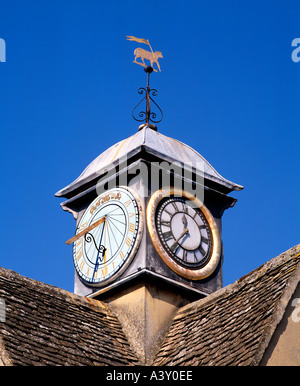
[[149, 206], [148, 236]]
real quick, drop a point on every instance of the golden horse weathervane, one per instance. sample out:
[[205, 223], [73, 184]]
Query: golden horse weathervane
[[144, 54], [147, 115]]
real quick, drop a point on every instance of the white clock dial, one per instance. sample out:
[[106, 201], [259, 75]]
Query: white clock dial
[[110, 229]]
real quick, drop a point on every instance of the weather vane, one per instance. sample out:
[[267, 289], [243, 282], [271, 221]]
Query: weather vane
[[153, 57]]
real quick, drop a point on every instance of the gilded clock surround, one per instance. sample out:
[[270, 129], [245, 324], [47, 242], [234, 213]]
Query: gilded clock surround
[[216, 245]]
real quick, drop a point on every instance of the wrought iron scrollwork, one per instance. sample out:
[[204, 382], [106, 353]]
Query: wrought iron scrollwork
[[90, 238], [148, 115]]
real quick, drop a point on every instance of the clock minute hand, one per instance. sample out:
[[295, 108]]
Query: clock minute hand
[[86, 230], [184, 220], [180, 237]]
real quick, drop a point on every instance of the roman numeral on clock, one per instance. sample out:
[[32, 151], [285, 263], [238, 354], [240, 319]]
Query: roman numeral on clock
[[175, 206], [165, 223], [204, 240], [167, 235], [202, 251], [174, 247]]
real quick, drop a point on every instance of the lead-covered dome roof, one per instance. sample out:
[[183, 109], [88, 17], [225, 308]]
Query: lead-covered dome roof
[[154, 143]]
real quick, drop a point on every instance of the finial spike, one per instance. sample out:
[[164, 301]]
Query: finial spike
[[148, 115]]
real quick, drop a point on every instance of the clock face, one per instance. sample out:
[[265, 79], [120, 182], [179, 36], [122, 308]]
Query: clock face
[[108, 235], [184, 233]]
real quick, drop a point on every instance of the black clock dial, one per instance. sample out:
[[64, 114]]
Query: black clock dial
[[184, 232]]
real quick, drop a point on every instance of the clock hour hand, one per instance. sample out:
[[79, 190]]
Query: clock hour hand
[[180, 237], [85, 231]]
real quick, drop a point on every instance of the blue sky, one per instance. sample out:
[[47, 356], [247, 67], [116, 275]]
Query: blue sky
[[228, 88]]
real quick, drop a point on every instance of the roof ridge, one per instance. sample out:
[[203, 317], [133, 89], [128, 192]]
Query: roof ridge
[[278, 313], [253, 275]]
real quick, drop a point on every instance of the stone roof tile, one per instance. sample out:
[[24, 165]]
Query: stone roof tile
[[233, 325], [45, 325]]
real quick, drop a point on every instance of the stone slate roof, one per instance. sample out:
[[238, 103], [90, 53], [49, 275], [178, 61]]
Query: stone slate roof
[[46, 325], [234, 325]]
